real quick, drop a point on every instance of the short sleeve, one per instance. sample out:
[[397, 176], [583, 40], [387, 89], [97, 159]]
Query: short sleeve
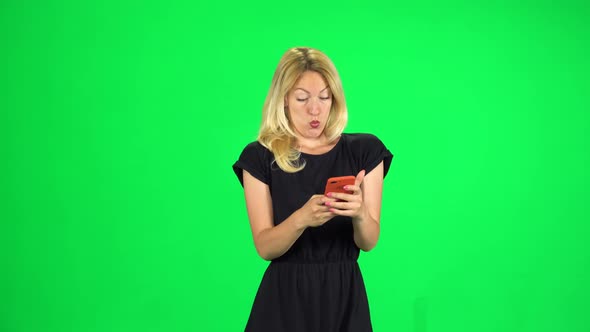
[[371, 151], [256, 159]]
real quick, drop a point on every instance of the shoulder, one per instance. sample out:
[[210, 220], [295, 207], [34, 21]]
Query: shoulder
[[368, 151], [256, 159], [255, 149], [362, 139], [254, 146]]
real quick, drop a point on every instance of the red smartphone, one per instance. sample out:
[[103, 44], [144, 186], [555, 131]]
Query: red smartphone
[[336, 184]]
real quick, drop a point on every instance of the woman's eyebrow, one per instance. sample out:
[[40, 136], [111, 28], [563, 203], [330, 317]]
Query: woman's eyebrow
[[309, 92]]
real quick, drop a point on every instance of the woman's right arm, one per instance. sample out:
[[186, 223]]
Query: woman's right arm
[[273, 241]]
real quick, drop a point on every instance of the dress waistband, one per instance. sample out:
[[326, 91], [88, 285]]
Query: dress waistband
[[315, 262]]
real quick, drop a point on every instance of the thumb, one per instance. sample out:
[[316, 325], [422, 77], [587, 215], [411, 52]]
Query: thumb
[[359, 178]]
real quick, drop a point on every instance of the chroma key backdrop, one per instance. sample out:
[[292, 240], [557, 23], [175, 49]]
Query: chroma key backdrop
[[120, 120]]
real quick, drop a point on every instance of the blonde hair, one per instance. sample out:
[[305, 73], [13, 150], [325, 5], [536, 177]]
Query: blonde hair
[[276, 134]]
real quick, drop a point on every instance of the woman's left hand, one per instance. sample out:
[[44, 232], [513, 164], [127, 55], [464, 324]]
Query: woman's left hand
[[351, 205]]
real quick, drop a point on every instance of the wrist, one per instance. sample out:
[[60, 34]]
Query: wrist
[[361, 217], [298, 222]]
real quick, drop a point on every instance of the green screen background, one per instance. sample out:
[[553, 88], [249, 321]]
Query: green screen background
[[120, 120]]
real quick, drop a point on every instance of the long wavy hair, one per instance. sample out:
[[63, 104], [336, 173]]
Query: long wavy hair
[[276, 133]]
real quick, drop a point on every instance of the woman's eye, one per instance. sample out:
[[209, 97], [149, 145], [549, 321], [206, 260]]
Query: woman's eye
[[298, 99], [325, 98]]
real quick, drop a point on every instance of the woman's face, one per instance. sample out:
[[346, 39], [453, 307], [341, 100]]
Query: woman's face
[[309, 104]]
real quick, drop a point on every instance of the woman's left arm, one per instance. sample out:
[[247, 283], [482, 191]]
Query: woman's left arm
[[364, 206]]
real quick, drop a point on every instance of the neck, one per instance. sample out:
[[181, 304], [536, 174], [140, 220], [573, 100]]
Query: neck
[[315, 145], [311, 143]]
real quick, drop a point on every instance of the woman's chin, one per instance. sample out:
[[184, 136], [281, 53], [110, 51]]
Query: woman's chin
[[311, 133], [314, 133]]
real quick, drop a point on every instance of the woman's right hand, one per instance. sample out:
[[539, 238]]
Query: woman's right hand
[[314, 212]]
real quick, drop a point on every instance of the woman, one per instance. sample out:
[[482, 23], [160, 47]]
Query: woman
[[313, 282]]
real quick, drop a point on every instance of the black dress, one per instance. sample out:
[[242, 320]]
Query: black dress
[[317, 284]]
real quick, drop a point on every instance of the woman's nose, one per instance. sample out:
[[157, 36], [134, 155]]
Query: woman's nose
[[314, 107]]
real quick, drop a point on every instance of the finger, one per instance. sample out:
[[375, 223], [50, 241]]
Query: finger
[[345, 213], [359, 178], [327, 200], [344, 205], [346, 197], [322, 209], [353, 189], [319, 199]]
